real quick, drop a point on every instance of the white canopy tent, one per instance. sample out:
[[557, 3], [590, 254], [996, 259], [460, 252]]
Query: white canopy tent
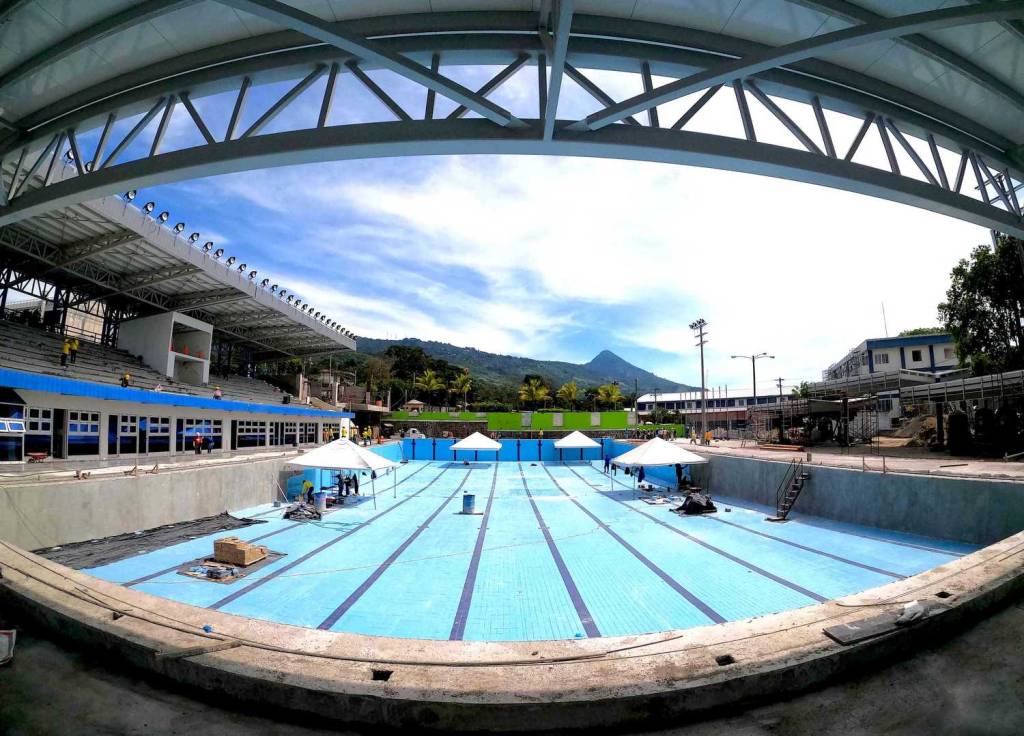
[[575, 441], [477, 443], [344, 454], [657, 452]]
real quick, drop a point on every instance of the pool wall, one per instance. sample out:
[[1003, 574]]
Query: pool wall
[[979, 511], [35, 515]]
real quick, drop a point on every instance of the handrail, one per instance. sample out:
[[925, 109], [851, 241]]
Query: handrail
[[787, 478]]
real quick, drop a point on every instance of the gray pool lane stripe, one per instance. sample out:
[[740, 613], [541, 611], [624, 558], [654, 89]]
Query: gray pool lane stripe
[[668, 579], [341, 610], [570, 585], [298, 561], [167, 570], [466, 600], [740, 561], [804, 547]]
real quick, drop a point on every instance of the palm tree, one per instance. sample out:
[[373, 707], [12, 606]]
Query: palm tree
[[462, 385], [533, 392], [430, 383], [609, 394], [569, 393]]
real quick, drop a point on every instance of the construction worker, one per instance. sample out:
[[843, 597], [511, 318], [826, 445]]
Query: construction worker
[[74, 349], [126, 380], [65, 350], [307, 490]]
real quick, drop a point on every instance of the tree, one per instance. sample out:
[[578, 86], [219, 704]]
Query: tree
[[920, 331], [569, 393], [609, 395], [533, 392], [430, 384], [462, 385], [803, 391], [984, 305]]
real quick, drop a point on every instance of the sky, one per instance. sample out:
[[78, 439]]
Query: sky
[[560, 258]]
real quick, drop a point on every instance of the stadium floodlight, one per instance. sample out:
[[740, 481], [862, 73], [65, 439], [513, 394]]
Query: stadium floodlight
[[180, 227], [207, 246], [69, 155], [231, 261], [218, 253], [164, 216], [264, 283], [290, 297], [131, 194], [149, 207], [88, 166], [241, 269], [283, 292], [273, 288], [252, 274], [193, 238]]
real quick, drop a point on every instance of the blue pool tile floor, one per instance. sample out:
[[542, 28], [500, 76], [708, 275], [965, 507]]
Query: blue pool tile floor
[[554, 552]]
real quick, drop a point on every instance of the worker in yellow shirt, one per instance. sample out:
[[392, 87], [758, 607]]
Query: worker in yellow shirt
[[65, 350], [307, 491], [74, 349]]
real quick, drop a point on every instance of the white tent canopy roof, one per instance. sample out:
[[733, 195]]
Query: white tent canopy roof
[[342, 454], [658, 452], [576, 441], [477, 441]]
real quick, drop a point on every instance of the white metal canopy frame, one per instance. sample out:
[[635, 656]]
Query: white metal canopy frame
[[940, 90]]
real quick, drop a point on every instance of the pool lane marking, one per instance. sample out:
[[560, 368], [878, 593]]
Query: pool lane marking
[[355, 595], [462, 612], [570, 585], [334, 540], [804, 547], [668, 579], [729, 556], [167, 570]]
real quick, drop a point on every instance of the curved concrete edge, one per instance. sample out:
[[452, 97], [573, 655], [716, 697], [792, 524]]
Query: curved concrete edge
[[663, 677]]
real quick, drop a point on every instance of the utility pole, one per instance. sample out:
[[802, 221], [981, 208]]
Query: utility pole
[[753, 358], [698, 327], [781, 415]]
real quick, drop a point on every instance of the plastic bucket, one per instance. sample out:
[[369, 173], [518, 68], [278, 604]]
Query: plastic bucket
[[320, 501], [468, 503]]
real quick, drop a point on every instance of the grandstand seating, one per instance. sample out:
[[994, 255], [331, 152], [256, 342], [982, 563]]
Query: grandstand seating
[[34, 350]]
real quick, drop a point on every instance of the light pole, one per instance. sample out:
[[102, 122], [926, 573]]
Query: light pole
[[753, 369], [698, 327]]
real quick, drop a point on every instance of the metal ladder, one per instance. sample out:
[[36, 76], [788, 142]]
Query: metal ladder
[[789, 490]]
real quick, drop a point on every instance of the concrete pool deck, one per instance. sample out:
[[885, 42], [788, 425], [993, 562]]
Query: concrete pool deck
[[506, 686], [889, 459]]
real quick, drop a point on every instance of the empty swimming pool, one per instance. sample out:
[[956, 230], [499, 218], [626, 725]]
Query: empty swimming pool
[[554, 553]]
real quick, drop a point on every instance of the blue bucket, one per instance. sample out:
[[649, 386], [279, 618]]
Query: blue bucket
[[468, 503]]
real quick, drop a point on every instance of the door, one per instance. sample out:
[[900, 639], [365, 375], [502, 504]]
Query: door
[[60, 433]]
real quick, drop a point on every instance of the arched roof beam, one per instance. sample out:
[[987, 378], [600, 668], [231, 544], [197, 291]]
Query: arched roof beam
[[340, 36], [880, 29], [598, 42], [467, 136], [922, 44]]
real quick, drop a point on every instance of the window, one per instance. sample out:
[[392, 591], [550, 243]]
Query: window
[[158, 435], [83, 433], [881, 358], [915, 356], [250, 433], [948, 353], [211, 429]]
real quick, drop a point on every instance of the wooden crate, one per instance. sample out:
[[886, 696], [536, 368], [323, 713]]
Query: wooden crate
[[234, 551]]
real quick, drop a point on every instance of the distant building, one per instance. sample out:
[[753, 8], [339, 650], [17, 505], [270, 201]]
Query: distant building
[[723, 411], [933, 353]]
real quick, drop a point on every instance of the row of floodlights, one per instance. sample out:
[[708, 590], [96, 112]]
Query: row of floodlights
[[179, 228]]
